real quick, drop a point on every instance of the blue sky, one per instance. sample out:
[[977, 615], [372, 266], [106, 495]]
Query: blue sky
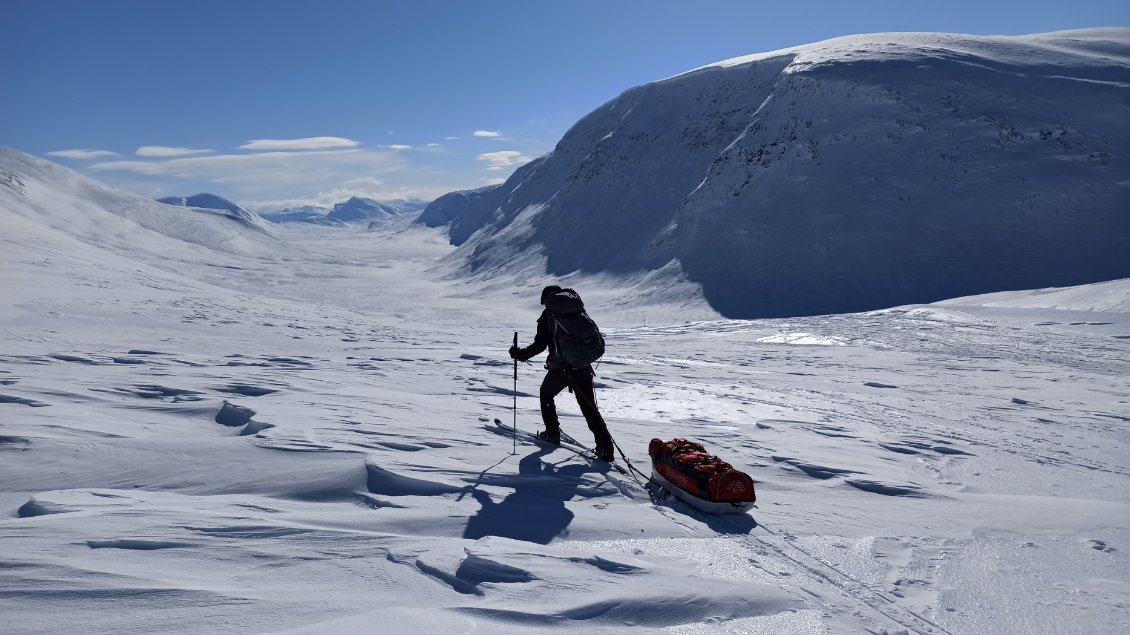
[[276, 102]]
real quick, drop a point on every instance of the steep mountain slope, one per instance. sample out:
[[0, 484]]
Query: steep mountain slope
[[51, 213], [464, 212], [856, 173]]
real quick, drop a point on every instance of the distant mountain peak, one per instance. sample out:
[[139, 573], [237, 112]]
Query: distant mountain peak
[[205, 200], [356, 209]]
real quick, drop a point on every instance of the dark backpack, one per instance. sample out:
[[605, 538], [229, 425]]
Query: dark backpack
[[579, 341]]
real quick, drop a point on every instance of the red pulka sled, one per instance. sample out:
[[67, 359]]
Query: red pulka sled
[[699, 478]]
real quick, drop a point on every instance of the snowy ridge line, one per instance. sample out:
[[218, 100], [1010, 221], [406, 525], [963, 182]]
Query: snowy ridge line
[[743, 177]]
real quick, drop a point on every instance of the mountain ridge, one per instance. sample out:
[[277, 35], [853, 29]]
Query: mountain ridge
[[841, 176]]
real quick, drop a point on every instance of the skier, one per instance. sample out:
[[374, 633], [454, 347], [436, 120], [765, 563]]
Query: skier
[[560, 376]]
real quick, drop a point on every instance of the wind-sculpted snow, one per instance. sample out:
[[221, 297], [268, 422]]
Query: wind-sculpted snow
[[308, 446], [847, 175]]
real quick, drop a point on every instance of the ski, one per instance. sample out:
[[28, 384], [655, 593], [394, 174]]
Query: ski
[[567, 443]]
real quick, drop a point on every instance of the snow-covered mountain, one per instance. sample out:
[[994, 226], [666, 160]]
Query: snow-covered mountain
[[354, 210], [46, 204], [359, 208], [851, 174], [406, 205], [207, 201], [464, 212], [303, 214]]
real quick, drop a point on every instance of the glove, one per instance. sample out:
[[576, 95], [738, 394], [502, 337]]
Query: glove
[[515, 353]]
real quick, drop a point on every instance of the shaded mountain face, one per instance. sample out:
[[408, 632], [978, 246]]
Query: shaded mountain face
[[853, 174], [464, 212]]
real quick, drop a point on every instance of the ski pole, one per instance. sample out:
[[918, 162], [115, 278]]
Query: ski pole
[[514, 427]]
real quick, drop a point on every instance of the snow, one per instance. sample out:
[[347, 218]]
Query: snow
[[1101, 297], [356, 209], [848, 175], [204, 428]]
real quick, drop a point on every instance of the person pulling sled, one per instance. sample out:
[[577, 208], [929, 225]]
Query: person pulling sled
[[574, 343]]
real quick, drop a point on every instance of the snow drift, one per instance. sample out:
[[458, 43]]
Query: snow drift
[[852, 174]]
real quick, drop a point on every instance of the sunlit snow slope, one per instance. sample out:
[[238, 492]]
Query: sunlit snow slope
[[851, 174], [204, 429]]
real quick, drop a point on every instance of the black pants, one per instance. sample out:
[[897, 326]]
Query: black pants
[[580, 379]]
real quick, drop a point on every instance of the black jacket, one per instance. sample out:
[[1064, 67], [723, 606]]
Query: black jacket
[[543, 340]]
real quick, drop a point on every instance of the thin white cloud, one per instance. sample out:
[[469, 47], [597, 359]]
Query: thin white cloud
[[433, 145], [365, 181], [307, 143], [487, 133], [267, 173], [504, 159], [164, 151], [399, 146], [83, 154], [364, 188]]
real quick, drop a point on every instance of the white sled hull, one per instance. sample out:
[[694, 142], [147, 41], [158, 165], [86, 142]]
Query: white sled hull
[[707, 507]]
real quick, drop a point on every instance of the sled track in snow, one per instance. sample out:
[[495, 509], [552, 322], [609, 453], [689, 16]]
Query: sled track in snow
[[852, 588], [854, 591]]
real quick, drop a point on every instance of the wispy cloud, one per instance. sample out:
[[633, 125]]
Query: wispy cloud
[[503, 159], [267, 173], [307, 143], [364, 187], [83, 154], [490, 134], [399, 146], [164, 151]]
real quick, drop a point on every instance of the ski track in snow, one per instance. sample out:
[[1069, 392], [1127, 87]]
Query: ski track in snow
[[305, 446]]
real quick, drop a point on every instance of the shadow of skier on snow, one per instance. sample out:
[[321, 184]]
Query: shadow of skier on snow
[[536, 511]]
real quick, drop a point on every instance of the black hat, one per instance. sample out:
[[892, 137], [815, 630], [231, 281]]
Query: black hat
[[548, 291]]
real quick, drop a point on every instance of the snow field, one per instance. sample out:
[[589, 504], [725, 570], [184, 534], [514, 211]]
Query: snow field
[[938, 470], [297, 437]]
